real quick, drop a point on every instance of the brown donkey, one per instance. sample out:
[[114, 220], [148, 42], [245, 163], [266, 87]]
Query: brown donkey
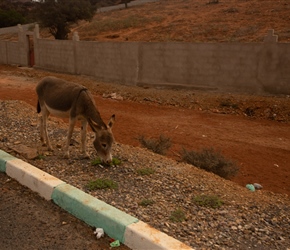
[[65, 99]]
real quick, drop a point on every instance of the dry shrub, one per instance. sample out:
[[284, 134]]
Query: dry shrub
[[211, 161], [158, 146]]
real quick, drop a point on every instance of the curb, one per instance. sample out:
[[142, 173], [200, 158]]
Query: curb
[[118, 225]]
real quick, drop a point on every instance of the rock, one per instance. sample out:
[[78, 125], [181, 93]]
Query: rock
[[257, 186], [27, 152]]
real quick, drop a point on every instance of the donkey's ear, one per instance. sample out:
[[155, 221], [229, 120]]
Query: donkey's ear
[[111, 122], [94, 126]]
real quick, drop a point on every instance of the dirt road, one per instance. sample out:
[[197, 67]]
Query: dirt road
[[30, 222]]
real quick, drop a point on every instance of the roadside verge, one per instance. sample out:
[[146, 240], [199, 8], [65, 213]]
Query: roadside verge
[[96, 213]]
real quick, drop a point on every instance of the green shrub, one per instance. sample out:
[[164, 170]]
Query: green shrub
[[145, 171], [98, 161], [211, 201], [211, 161], [177, 215], [146, 202], [101, 184], [158, 146]]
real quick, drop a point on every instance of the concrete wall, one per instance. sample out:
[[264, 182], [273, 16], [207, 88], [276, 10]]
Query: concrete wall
[[258, 68], [57, 55], [15, 52], [10, 52], [108, 61]]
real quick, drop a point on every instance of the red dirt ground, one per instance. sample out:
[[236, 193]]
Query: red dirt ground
[[260, 147]]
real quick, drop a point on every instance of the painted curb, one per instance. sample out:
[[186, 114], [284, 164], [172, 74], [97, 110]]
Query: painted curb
[[93, 211], [32, 177], [4, 157], [142, 236], [118, 225]]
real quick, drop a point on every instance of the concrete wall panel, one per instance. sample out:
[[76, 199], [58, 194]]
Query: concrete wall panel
[[55, 55], [3, 52]]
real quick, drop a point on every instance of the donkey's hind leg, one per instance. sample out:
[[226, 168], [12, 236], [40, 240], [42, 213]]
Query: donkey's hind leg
[[43, 128], [72, 122]]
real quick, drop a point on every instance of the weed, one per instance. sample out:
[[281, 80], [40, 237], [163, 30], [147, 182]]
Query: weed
[[98, 161], [40, 157], [145, 171], [177, 215], [211, 161], [211, 201], [101, 184], [146, 202], [158, 146]]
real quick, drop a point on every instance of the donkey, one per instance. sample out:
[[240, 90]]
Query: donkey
[[66, 99]]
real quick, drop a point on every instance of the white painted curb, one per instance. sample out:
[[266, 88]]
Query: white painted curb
[[141, 234], [32, 177]]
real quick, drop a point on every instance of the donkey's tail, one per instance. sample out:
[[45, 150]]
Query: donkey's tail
[[38, 107]]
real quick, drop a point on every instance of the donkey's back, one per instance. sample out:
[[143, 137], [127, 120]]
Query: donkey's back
[[57, 94]]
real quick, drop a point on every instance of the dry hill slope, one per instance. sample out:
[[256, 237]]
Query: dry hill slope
[[191, 21]]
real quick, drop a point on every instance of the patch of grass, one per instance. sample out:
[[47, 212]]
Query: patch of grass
[[177, 215], [98, 161], [211, 201], [101, 184], [211, 161], [146, 202], [145, 171], [40, 157], [158, 146]]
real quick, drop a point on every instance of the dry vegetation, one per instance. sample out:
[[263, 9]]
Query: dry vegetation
[[191, 21]]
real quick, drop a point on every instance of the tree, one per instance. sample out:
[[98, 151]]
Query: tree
[[10, 18], [13, 13], [59, 15]]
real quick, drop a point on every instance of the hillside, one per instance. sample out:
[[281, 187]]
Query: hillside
[[191, 21]]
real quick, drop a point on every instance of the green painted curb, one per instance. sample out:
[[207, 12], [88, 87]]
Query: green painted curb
[[94, 212], [4, 157]]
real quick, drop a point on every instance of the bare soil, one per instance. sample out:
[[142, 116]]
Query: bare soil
[[259, 141]]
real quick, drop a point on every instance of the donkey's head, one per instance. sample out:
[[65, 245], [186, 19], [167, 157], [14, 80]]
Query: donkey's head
[[103, 139]]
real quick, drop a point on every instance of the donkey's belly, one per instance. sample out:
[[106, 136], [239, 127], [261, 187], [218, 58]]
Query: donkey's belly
[[58, 113]]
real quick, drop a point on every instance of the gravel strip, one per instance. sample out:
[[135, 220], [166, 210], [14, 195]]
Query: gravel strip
[[246, 220]]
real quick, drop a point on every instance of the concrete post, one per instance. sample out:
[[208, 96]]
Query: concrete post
[[270, 37], [36, 46], [76, 39], [23, 46]]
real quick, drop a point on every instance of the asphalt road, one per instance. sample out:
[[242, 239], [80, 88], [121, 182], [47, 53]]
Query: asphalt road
[[28, 221]]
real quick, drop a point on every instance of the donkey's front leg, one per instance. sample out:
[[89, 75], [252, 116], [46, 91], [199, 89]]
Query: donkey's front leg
[[72, 122], [84, 138]]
